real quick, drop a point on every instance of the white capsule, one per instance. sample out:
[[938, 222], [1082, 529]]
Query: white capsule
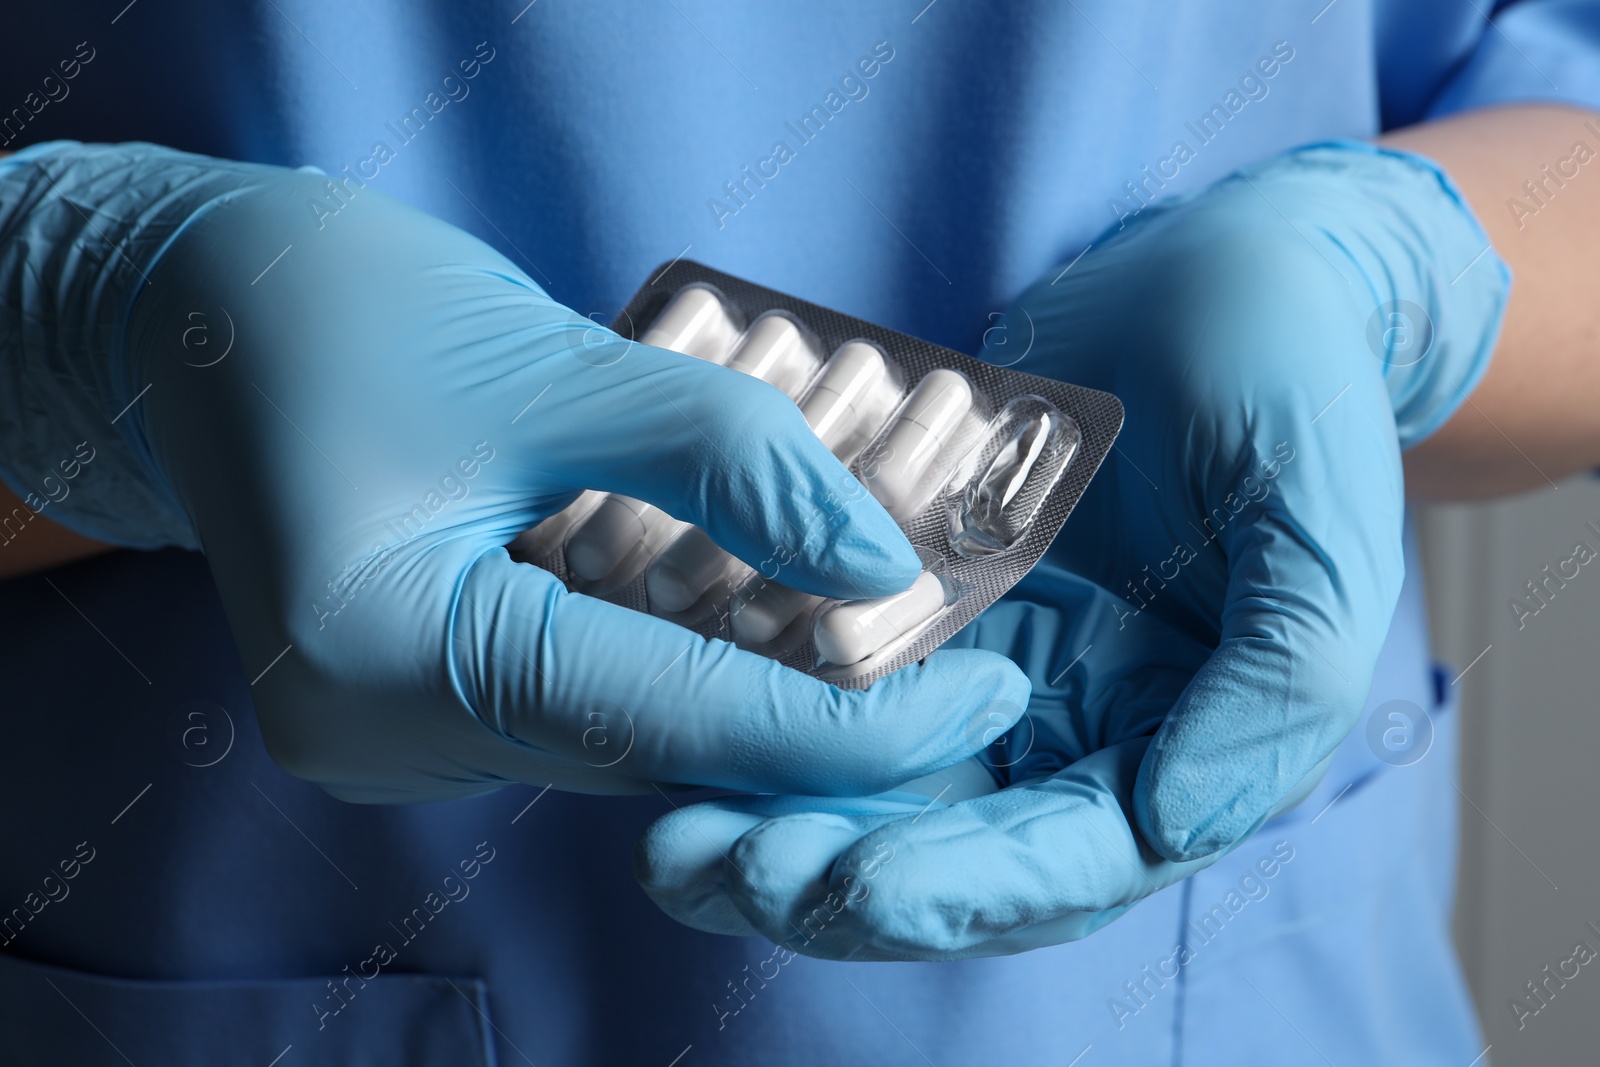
[[681, 575], [930, 417], [618, 526], [833, 410], [767, 612], [848, 633], [775, 351], [546, 537], [695, 323]]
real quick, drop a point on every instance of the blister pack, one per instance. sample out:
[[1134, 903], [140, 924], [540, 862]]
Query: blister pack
[[980, 465]]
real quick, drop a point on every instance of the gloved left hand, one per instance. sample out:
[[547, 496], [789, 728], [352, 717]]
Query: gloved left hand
[[380, 404], [1204, 631]]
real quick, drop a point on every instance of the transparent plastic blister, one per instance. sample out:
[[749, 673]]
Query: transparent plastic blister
[[980, 466], [1006, 481]]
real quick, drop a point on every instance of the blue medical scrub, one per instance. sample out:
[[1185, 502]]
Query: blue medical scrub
[[916, 165]]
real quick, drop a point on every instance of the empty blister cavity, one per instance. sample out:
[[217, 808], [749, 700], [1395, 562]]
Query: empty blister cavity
[[929, 420], [851, 399], [695, 322], [852, 631], [979, 465], [1028, 448]]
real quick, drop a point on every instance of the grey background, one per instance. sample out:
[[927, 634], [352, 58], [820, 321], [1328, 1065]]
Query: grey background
[[1530, 763]]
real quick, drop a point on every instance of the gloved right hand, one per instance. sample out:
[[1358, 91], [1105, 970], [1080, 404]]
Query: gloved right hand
[[353, 443], [1200, 649]]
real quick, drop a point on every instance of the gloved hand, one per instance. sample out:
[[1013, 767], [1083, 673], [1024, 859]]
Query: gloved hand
[[958, 869], [1276, 340], [351, 412]]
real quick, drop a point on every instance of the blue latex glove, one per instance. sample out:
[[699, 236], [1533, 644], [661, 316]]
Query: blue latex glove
[[352, 412], [1220, 594], [958, 869]]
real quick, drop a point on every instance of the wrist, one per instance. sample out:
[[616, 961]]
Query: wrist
[[30, 542], [81, 228]]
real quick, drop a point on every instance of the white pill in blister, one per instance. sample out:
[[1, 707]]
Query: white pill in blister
[[695, 323], [848, 633], [833, 408], [767, 612], [834, 412], [682, 574], [617, 526], [930, 417], [775, 351], [546, 537]]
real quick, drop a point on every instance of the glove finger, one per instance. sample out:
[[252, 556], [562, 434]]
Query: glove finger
[[1029, 866], [719, 449], [679, 862], [683, 860], [1311, 589], [625, 692]]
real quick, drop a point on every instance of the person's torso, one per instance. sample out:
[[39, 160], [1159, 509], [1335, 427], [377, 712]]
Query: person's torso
[[916, 165]]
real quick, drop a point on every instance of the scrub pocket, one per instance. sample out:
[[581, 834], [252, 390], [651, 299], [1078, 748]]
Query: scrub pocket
[[52, 1016]]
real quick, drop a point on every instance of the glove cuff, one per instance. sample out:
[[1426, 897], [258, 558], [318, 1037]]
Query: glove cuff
[[1437, 288], [81, 228]]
